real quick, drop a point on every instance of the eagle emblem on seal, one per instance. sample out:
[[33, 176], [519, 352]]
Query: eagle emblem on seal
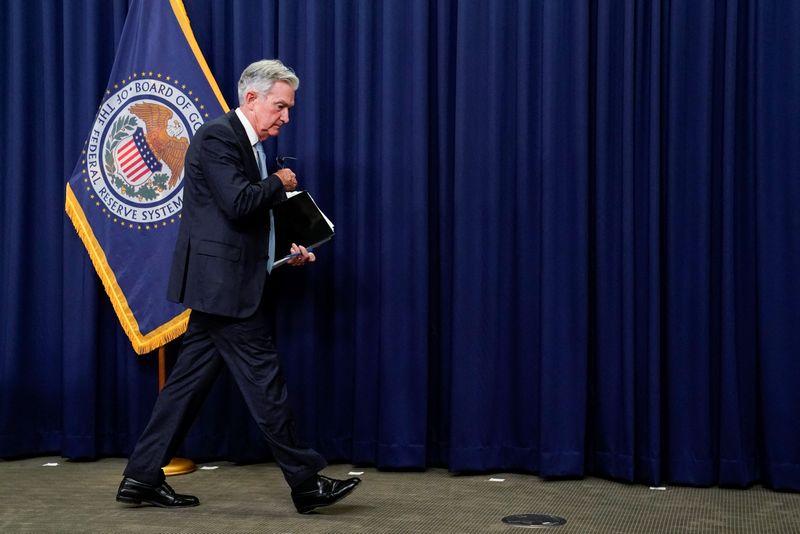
[[165, 146], [144, 162]]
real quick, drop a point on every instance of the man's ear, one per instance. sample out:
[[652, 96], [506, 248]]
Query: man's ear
[[250, 97]]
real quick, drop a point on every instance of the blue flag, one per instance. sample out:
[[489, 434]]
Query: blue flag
[[126, 194]]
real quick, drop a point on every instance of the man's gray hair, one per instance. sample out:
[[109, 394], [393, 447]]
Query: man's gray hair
[[260, 76]]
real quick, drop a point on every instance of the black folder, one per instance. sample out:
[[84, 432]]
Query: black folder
[[299, 220]]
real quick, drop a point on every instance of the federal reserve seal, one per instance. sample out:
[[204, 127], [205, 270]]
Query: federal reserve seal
[[135, 151]]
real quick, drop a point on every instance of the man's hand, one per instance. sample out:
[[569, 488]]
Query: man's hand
[[288, 179], [302, 257]]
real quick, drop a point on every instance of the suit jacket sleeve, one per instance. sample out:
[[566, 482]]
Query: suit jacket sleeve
[[234, 193]]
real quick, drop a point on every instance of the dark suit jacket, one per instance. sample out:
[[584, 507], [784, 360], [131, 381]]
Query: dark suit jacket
[[219, 265]]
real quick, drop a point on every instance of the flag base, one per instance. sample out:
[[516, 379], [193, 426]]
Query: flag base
[[179, 466]]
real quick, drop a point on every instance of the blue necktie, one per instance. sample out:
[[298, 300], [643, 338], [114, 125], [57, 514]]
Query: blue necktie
[[262, 168]]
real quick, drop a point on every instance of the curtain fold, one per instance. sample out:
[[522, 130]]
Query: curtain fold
[[566, 237], [777, 249]]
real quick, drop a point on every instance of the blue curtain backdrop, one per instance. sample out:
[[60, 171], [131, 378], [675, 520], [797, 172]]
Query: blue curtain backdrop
[[568, 239]]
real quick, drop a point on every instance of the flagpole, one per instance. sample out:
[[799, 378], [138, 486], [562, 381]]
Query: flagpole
[[177, 466]]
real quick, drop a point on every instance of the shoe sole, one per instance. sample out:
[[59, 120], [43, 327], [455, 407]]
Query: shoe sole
[[340, 499], [129, 500]]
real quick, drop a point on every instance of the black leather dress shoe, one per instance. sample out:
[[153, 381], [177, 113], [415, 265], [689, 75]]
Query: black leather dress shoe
[[134, 492], [327, 492]]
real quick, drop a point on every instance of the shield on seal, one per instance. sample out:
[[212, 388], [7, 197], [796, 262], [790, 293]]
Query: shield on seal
[[135, 159]]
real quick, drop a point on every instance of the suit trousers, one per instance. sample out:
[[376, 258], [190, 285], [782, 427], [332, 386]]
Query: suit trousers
[[247, 348]]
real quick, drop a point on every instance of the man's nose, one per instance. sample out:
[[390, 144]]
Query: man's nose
[[285, 116]]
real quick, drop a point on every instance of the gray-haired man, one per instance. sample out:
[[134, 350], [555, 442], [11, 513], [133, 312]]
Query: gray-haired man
[[220, 270]]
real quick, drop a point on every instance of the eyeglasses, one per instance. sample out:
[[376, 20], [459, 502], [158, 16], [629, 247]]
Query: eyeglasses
[[281, 161]]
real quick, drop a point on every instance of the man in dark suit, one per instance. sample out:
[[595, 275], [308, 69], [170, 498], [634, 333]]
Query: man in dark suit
[[220, 270]]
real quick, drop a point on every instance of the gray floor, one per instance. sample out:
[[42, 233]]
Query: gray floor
[[79, 497]]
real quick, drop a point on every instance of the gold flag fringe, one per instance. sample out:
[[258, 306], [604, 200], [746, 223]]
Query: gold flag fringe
[[142, 344]]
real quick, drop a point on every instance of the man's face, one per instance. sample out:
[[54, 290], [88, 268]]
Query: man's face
[[271, 111]]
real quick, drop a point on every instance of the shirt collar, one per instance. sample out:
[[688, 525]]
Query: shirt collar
[[252, 136]]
